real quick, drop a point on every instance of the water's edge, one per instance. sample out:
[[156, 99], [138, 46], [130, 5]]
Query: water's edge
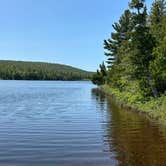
[[126, 107]]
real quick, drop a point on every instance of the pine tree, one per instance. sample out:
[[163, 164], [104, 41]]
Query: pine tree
[[136, 51], [156, 20], [99, 78], [158, 29], [142, 44], [158, 66], [157, 12], [122, 29]]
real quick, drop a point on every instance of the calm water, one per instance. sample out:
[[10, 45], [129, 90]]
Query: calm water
[[72, 124]]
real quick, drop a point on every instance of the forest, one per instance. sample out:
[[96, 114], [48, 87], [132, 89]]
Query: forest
[[135, 69], [19, 70]]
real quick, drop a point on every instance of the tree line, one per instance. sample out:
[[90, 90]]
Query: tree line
[[17, 70], [136, 51]]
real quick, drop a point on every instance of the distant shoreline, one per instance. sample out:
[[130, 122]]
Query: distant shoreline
[[22, 70], [49, 80]]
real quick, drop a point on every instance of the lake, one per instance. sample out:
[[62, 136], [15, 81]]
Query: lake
[[56, 123]]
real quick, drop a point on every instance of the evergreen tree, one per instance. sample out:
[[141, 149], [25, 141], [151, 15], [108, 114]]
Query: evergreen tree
[[158, 29], [99, 78], [157, 19], [158, 66], [136, 51], [157, 12], [142, 44], [122, 29]]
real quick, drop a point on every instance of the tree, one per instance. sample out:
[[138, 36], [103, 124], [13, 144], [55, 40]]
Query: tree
[[158, 29], [157, 12], [157, 19], [99, 78], [142, 44], [136, 51], [158, 66], [137, 4], [122, 29]]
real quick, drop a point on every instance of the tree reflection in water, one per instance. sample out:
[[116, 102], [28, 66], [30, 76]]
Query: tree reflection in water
[[133, 139]]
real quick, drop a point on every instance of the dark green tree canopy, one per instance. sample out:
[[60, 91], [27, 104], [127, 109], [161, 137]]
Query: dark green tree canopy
[[136, 50], [122, 32], [17, 70]]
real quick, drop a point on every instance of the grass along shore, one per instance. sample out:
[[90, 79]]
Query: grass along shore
[[153, 108]]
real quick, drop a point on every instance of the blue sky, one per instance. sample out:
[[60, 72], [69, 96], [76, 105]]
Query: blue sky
[[58, 31]]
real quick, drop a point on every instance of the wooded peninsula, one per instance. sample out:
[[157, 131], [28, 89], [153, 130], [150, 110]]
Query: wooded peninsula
[[136, 59]]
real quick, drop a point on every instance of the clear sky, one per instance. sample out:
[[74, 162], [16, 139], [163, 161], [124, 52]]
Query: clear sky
[[59, 31]]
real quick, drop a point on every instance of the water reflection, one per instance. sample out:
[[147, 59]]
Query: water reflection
[[133, 139], [65, 124], [100, 99]]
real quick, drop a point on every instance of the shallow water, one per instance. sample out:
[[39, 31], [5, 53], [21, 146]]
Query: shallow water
[[71, 124]]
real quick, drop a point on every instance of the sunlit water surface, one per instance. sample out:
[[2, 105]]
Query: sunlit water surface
[[55, 123]]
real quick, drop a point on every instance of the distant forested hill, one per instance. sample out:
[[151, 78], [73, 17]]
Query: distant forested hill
[[19, 70]]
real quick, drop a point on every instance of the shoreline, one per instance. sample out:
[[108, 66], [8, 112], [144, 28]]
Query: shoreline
[[152, 114]]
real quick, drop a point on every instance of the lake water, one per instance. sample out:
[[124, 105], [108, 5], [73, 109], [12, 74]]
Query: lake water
[[55, 123]]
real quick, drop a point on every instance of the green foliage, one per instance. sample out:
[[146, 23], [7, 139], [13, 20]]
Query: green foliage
[[155, 108], [122, 29], [136, 49], [158, 66], [136, 55], [157, 12], [99, 78], [16, 70], [157, 20], [138, 4]]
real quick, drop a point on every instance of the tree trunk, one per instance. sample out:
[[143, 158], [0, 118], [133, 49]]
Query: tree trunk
[[152, 86]]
